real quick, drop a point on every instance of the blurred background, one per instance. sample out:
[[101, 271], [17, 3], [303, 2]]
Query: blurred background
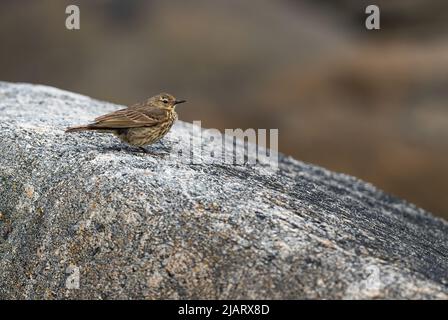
[[373, 104]]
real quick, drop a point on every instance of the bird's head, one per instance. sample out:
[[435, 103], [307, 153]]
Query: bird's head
[[165, 101]]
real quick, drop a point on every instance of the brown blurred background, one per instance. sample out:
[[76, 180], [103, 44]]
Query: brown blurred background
[[373, 104]]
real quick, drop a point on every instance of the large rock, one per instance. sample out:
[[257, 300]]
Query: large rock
[[135, 225]]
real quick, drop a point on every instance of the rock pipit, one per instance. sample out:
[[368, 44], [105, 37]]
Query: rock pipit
[[140, 124]]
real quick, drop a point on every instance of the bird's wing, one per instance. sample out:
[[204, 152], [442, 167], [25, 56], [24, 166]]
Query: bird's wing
[[133, 117]]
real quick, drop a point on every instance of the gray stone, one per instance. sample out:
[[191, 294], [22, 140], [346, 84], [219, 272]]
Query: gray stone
[[152, 226]]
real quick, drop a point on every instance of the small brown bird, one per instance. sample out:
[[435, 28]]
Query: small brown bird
[[140, 124]]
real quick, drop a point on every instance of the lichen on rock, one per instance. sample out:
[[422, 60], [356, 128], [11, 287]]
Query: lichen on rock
[[80, 218]]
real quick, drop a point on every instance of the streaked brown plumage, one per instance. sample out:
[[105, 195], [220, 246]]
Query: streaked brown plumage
[[140, 124]]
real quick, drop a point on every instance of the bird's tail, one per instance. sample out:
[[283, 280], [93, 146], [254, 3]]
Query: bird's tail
[[78, 128]]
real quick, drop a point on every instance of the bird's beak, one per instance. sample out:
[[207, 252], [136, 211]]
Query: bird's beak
[[179, 101]]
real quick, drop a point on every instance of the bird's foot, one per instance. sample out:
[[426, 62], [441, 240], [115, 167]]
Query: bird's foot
[[165, 147], [136, 150], [157, 154], [113, 148]]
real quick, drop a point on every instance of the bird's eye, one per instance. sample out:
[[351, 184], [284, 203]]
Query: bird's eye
[[165, 100]]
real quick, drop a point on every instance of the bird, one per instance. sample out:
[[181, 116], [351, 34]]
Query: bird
[[140, 124]]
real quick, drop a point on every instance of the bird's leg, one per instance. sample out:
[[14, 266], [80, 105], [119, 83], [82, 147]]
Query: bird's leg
[[162, 144], [114, 148], [158, 154], [167, 148]]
